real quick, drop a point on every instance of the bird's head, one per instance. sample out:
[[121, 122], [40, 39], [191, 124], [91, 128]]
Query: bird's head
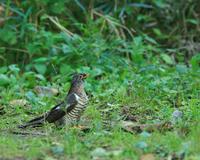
[[79, 77]]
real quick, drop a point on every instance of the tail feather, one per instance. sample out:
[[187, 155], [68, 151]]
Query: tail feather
[[52, 116], [36, 122]]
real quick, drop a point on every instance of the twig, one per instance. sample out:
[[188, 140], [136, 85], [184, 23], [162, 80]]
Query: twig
[[62, 28], [132, 127], [16, 49], [112, 23], [24, 133], [28, 133], [13, 10]]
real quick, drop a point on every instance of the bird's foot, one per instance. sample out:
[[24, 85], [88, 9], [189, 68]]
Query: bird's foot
[[79, 127], [82, 128]]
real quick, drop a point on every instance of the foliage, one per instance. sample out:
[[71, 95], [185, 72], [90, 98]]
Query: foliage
[[46, 34]]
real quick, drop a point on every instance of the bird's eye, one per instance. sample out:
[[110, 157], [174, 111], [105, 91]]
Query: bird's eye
[[83, 76]]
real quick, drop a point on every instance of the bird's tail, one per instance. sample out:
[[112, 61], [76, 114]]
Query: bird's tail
[[36, 122]]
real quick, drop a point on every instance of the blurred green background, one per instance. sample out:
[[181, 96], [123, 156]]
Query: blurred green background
[[51, 37]]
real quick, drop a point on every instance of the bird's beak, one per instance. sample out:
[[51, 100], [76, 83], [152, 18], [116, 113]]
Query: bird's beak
[[85, 75]]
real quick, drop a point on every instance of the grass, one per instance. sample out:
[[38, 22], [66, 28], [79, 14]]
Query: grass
[[149, 99]]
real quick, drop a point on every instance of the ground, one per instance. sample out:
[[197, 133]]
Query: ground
[[136, 119]]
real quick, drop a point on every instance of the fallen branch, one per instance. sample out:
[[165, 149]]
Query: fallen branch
[[29, 133], [24, 133], [132, 127]]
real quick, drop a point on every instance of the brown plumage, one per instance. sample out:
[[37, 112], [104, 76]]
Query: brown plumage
[[68, 111]]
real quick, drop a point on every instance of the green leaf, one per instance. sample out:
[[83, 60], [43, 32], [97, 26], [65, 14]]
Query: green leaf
[[30, 79], [181, 68], [138, 41], [157, 32], [80, 5], [149, 39], [40, 77], [141, 145], [66, 48], [8, 36], [41, 60], [3, 69], [57, 150], [166, 58], [195, 62], [31, 97], [192, 21], [65, 68], [40, 68], [145, 134], [2, 49], [14, 68], [57, 7], [4, 80], [99, 152], [33, 48]]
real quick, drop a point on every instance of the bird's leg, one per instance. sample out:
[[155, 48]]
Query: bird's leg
[[79, 127]]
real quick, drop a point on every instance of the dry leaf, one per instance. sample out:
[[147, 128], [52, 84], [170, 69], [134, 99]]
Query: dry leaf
[[18, 102], [99, 152], [2, 111], [1, 10], [147, 157], [132, 127], [126, 113], [46, 91]]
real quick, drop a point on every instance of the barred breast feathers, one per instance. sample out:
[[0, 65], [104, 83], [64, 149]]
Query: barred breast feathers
[[78, 109]]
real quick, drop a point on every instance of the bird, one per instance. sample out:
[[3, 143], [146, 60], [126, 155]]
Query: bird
[[69, 111]]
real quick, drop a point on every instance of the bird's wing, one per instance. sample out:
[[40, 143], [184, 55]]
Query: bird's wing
[[61, 109], [72, 100], [55, 113]]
